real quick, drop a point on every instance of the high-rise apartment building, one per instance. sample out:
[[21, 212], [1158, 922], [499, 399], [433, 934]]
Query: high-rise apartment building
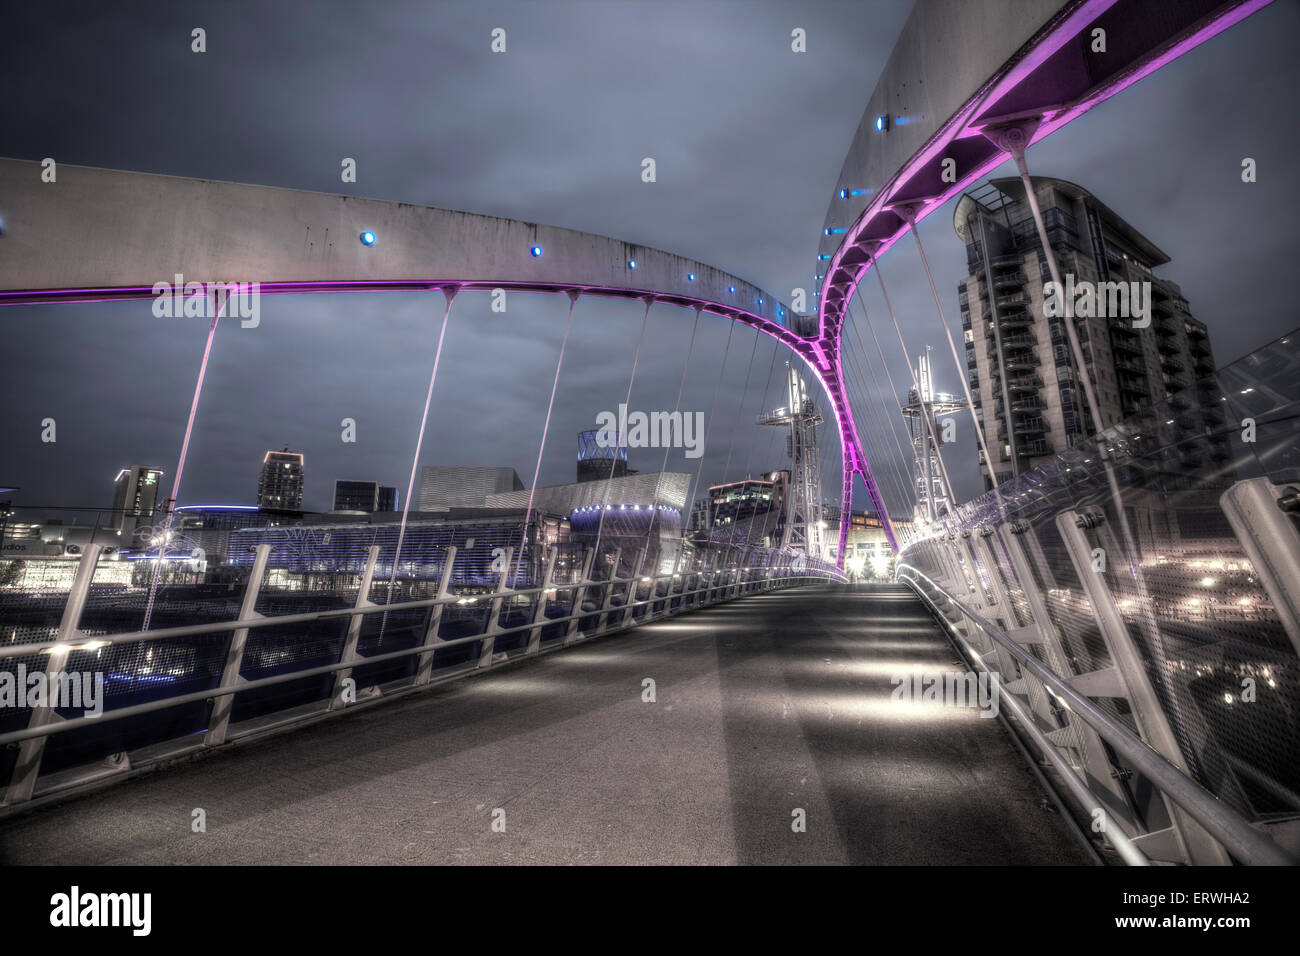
[[1140, 341], [279, 487]]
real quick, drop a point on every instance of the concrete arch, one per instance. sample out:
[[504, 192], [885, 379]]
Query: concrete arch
[[100, 234], [969, 82]]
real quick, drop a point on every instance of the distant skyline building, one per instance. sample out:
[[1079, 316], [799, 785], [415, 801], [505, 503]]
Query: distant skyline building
[[750, 511], [135, 500], [279, 487], [443, 487], [368, 496], [1021, 372]]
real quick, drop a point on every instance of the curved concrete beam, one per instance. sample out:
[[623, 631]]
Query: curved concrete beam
[[100, 234]]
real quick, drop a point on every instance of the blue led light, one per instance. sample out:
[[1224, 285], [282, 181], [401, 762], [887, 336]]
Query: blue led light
[[690, 277], [536, 251], [367, 238], [823, 256], [882, 123], [631, 263], [731, 289], [844, 194], [781, 313], [835, 230], [760, 300]]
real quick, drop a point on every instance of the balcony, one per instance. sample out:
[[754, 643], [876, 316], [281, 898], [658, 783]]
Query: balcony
[[1010, 259], [1015, 298], [1131, 344], [1009, 280], [1171, 364], [1019, 341], [1128, 365], [1016, 320], [1025, 362], [1132, 386], [1035, 449], [1025, 385]]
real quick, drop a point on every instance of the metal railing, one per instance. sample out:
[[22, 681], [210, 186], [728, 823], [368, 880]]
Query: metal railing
[[228, 657], [1143, 612]]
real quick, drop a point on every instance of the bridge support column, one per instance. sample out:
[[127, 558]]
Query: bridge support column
[[219, 722], [22, 782]]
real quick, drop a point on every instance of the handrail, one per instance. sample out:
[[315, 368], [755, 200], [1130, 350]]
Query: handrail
[[1220, 820]]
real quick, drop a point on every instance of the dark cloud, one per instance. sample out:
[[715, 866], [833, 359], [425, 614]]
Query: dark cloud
[[748, 140]]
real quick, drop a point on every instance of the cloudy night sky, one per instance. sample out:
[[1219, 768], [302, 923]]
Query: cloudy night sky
[[748, 139]]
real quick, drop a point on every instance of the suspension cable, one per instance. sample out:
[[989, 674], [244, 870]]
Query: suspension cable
[[900, 421], [929, 424], [956, 361], [546, 427], [681, 390], [636, 358], [871, 419], [708, 431], [753, 435], [449, 293], [217, 310]]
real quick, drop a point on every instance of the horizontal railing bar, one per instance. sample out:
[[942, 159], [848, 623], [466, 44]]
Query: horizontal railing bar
[[119, 713], [1220, 820]]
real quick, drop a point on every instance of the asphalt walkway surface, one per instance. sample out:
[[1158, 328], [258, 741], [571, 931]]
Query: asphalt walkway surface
[[768, 712]]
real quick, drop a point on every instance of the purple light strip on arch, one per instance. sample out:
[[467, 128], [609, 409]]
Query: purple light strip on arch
[[959, 126]]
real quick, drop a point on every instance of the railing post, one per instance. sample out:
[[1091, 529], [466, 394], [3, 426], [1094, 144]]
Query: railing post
[[672, 583], [1129, 676], [219, 721], [424, 669], [602, 620], [493, 625], [349, 652], [539, 611], [628, 615], [22, 782], [580, 596], [1269, 537]]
